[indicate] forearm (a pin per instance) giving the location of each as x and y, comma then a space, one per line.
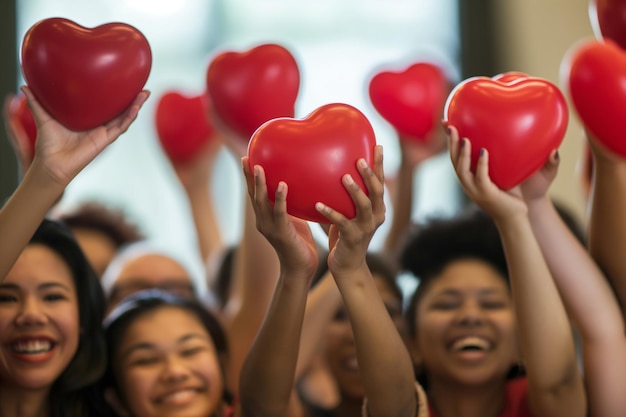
402, 208
385, 366
267, 375
586, 293
323, 302
205, 221
23, 212
546, 338
607, 229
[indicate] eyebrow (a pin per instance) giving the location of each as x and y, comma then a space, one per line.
44, 286
151, 346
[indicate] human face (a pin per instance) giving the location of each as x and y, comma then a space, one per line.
97, 247
340, 350
465, 325
39, 319
151, 271
167, 365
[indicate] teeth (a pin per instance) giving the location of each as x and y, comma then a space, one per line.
471, 342
32, 346
178, 396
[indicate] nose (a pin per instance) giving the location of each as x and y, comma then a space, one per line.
174, 371
31, 313
470, 314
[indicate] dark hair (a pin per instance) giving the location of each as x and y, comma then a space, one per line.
381, 266
88, 364
138, 304
111, 222
223, 277
470, 235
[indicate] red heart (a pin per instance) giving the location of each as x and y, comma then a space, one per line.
20, 112
510, 77
411, 100
519, 123
608, 20
183, 125
247, 89
312, 155
85, 77
595, 76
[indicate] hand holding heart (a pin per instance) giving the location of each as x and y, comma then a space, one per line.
183, 125
84, 77
519, 122
312, 156
594, 74
411, 100
249, 88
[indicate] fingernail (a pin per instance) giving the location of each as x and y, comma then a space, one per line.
462, 143
362, 163
556, 155
482, 151
348, 179
320, 207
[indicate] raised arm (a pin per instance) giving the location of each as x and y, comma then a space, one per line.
555, 384
60, 154
267, 375
587, 296
413, 153
385, 366
607, 229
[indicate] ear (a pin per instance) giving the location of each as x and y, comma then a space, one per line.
111, 397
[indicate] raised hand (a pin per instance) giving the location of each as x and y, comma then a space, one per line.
349, 239
291, 237
63, 153
478, 186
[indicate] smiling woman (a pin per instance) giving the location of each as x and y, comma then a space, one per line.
51, 307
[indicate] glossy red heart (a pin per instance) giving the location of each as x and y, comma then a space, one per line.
312, 155
20, 112
249, 88
594, 73
85, 77
518, 122
411, 100
608, 20
510, 77
183, 125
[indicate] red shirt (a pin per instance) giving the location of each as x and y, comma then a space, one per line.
516, 402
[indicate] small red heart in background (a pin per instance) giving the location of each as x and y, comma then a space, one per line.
608, 20
518, 122
594, 73
249, 88
20, 112
411, 100
85, 77
183, 125
312, 155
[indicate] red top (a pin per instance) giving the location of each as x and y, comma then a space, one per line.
516, 402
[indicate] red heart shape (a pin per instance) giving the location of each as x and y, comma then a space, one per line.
595, 76
20, 112
411, 100
183, 125
312, 155
608, 20
85, 77
247, 89
518, 122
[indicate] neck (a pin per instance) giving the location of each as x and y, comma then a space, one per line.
452, 400
19, 402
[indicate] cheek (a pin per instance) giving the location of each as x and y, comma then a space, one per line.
68, 321
135, 386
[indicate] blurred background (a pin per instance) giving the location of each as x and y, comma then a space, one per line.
338, 45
